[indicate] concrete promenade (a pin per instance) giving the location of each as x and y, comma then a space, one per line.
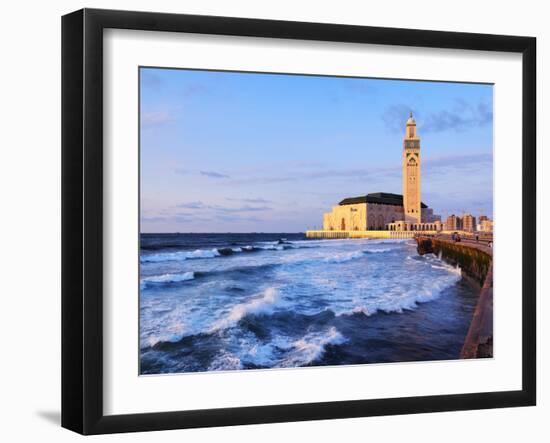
481, 245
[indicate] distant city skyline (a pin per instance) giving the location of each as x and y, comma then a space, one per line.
247, 152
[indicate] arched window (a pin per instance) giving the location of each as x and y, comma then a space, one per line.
343, 225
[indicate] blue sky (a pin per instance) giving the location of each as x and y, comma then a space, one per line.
245, 152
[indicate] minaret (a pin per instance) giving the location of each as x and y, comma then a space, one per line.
411, 173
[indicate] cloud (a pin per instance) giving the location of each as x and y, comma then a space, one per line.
192, 205
250, 200
206, 214
213, 174
154, 219
245, 208
222, 209
395, 117
434, 165
178, 218
352, 173
463, 162
210, 174
238, 218
460, 117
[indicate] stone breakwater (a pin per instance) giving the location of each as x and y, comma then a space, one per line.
476, 262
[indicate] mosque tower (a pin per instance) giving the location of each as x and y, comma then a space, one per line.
411, 173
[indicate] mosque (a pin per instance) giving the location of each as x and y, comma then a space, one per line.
386, 211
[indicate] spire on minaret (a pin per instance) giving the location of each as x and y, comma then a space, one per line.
411, 127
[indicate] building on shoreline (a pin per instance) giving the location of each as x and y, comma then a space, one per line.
486, 225
374, 212
387, 211
453, 223
468, 223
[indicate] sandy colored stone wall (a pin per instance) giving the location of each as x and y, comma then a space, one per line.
346, 218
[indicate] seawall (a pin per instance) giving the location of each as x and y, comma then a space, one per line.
364, 234
476, 262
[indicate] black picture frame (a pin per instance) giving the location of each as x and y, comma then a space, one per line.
82, 218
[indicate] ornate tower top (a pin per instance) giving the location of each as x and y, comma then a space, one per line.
410, 133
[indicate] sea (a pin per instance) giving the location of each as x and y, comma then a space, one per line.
224, 302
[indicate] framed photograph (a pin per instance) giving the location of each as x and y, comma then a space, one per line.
268, 221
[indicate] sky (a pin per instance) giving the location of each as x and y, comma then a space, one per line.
256, 152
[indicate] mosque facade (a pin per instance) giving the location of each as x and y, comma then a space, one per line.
388, 211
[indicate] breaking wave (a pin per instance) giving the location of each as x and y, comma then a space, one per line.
166, 278
342, 258
378, 250
399, 301
311, 347
217, 252
180, 255
260, 305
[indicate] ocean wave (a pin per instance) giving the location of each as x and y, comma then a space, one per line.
311, 347
393, 302
272, 247
388, 241
167, 278
171, 332
216, 252
436, 262
229, 251
342, 258
378, 250
180, 255
260, 305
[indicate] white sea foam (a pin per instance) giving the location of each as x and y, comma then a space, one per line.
342, 258
272, 247
447, 267
397, 300
263, 304
311, 347
361, 309
225, 361
171, 332
180, 255
378, 250
169, 278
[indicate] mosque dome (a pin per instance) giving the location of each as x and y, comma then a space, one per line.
411, 120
